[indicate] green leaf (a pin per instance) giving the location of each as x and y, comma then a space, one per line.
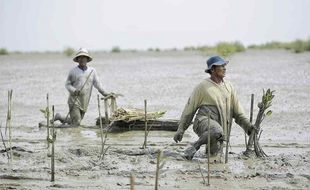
44, 111
269, 113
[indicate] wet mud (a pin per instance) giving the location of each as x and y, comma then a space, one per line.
166, 80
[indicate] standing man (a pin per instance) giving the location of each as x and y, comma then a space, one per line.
218, 96
80, 82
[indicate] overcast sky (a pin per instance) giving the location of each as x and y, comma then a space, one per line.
41, 25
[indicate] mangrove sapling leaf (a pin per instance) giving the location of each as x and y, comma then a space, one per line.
269, 113
162, 165
45, 112
51, 138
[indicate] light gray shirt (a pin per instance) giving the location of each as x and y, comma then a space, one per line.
83, 81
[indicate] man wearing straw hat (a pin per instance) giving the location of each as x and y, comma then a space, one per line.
218, 97
80, 82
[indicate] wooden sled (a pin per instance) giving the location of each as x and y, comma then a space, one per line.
122, 126
124, 119
139, 125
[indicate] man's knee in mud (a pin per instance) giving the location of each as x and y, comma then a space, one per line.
201, 126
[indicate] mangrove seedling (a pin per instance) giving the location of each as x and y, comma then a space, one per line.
264, 111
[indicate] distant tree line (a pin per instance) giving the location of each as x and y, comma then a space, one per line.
224, 49
3, 51
297, 46
69, 51
228, 48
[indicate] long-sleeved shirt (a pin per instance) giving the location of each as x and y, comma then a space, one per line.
222, 96
75, 81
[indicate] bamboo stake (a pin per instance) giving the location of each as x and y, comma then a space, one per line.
132, 182
107, 129
158, 167
100, 121
203, 178
113, 105
228, 130
4, 144
149, 128
226, 156
8, 123
251, 117
106, 113
47, 120
105, 140
252, 105
209, 145
226, 152
53, 152
145, 123
8, 114
251, 137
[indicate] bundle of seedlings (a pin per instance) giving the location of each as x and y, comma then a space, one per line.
128, 115
263, 106
135, 114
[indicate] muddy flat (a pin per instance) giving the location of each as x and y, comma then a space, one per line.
166, 80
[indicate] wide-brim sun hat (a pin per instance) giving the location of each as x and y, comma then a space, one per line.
215, 60
82, 52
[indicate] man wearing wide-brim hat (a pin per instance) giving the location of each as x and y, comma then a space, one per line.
218, 97
80, 82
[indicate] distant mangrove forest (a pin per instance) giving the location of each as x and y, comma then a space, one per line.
224, 49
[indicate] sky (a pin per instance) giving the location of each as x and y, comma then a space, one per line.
53, 25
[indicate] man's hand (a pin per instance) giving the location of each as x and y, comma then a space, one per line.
103, 93
76, 92
178, 136
252, 129
112, 94
108, 95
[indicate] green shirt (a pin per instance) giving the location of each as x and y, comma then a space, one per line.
223, 96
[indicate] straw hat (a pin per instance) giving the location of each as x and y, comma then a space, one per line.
82, 52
